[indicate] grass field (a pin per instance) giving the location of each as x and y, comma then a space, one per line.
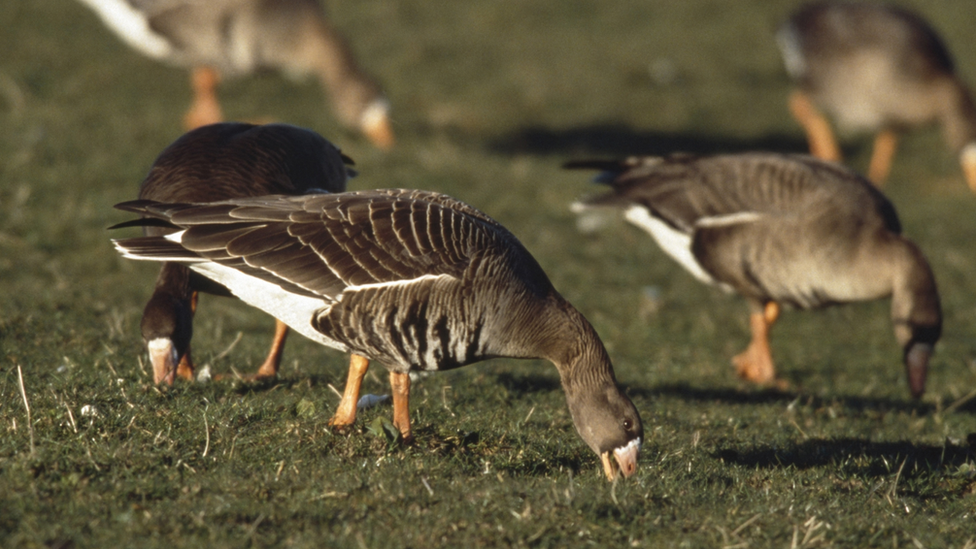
489, 99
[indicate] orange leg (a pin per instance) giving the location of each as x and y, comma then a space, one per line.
755, 364
885, 144
205, 109
185, 368
400, 384
967, 158
346, 412
821, 138
271, 364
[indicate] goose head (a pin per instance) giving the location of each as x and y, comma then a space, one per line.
167, 327
916, 313
609, 423
918, 342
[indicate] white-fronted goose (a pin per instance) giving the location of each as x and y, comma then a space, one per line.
878, 68
219, 162
781, 229
234, 37
414, 279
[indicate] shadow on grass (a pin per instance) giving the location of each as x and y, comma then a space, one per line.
528, 383
687, 392
869, 458
618, 139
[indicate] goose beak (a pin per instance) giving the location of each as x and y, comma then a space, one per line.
624, 459
163, 357
374, 122
916, 366
968, 161
380, 133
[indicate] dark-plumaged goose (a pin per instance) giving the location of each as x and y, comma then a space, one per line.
878, 68
235, 37
414, 279
219, 162
781, 229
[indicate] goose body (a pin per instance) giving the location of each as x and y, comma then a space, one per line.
782, 229
238, 37
413, 279
877, 68
220, 162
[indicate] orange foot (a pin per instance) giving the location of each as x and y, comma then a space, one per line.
755, 364
345, 414
205, 109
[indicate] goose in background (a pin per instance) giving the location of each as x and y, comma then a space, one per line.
237, 37
415, 280
877, 68
219, 162
780, 230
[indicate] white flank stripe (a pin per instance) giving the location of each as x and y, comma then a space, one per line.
730, 219
394, 283
132, 27
294, 310
674, 243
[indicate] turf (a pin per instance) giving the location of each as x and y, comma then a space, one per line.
490, 98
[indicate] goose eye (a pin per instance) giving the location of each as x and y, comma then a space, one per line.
627, 424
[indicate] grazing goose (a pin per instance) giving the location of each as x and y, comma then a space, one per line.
218, 162
878, 68
414, 279
781, 229
235, 37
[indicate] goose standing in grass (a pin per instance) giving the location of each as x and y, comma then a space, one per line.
878, 68
219, 162
416, 280
235, 37
781, 229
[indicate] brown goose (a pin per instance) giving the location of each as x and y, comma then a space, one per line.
234, 37
781, 229
218, 162
878, 68
414, 279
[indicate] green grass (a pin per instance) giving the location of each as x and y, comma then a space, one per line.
490, 98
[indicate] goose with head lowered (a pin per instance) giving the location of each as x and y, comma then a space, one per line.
413, 279
238, 37
219, 162
878, 68
781, 229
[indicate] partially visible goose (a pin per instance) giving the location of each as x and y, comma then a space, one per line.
219, 162
234, 37
414, 279
879, 68
781, 229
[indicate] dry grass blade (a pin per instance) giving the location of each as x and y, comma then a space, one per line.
955, 405
206, 430
30, 422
